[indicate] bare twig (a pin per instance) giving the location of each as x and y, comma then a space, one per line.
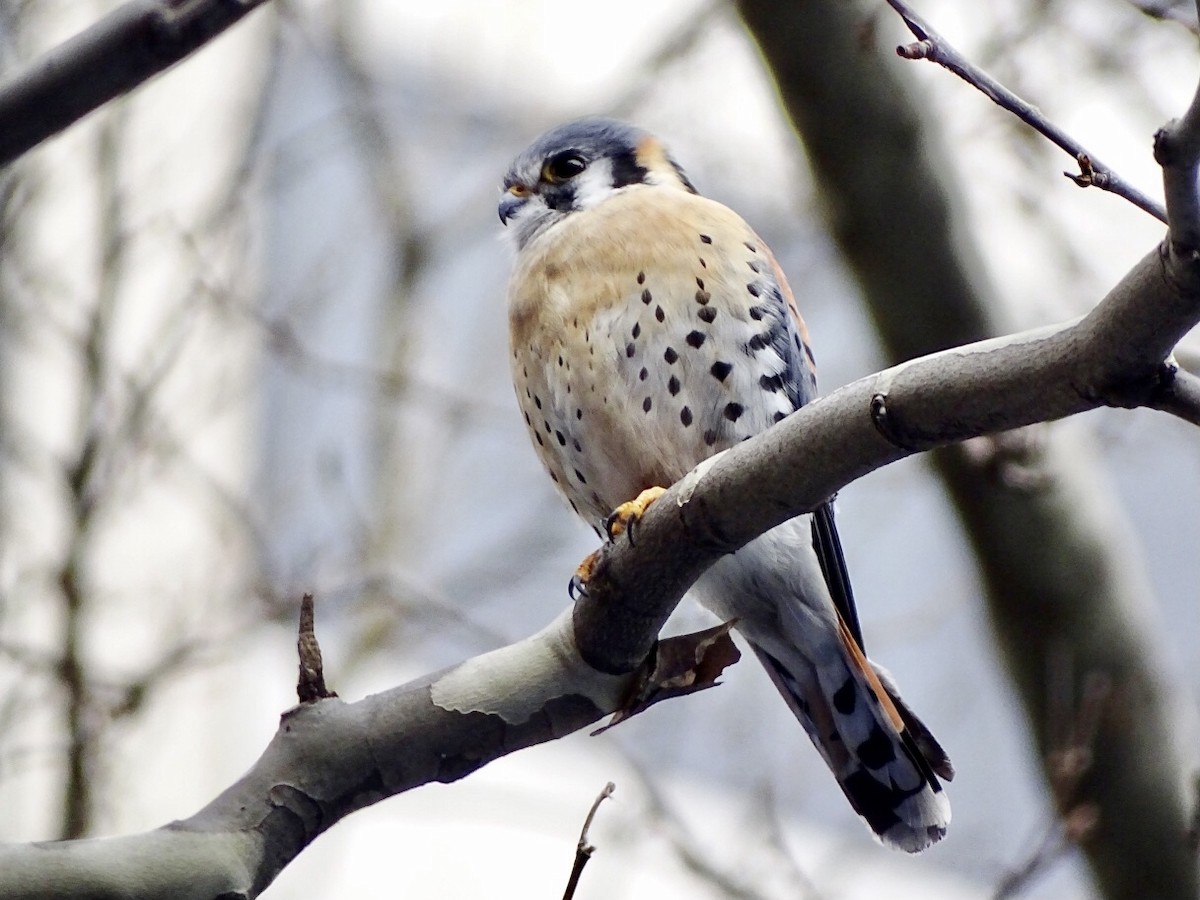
584, 849
1092, 173
127, 47
311, 686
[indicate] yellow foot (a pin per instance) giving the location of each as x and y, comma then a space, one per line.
577, 587
625, 517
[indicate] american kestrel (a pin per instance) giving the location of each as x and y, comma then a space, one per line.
650, 328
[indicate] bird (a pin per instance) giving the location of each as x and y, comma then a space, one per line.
650, 328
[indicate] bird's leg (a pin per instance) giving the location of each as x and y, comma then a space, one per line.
622, 520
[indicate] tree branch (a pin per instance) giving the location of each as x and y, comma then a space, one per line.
330, 757
125, 48
1092, 173
1109, 357
1177, 150
1060, 571
1179, 394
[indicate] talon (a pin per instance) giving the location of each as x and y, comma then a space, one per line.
625, 517
577, 586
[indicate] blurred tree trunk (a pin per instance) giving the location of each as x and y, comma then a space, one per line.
1066, 592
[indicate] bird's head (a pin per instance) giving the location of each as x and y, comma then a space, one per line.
577, 166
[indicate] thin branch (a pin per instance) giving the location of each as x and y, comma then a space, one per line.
584, 849
127, 47
311, 686
1179, 394
1092, 173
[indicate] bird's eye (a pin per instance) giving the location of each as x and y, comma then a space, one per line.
563, 166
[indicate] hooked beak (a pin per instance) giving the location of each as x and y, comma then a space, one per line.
512, 201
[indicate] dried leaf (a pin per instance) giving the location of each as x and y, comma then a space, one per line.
680, 665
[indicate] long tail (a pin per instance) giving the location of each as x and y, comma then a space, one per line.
886, 761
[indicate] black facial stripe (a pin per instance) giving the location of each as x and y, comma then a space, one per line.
625, 169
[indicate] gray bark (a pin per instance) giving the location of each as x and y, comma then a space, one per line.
1062, 582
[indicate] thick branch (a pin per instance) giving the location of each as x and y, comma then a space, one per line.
330, 758
1109, 357
1177, 150
130, 45
879, 162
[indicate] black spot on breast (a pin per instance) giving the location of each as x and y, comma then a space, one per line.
700, 282
756, 313
754, 289
659, 314
641, 278
779, 416
845, 698
758, 342
707, 314
537, 402
685, 416
704, 238
630, 349
749, 246
670, 356
755, 266
578, 446
733, 411
547, 424
541, 443
646, 296
673, 385
579, 475
562, 441
574, 507
554, 477
771, 382
579, 414
637, 330
643, 374
527, 422
695, 339
876, 751
646, 404
703, 264
710, 437
720, 370
702, 296
560, 362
